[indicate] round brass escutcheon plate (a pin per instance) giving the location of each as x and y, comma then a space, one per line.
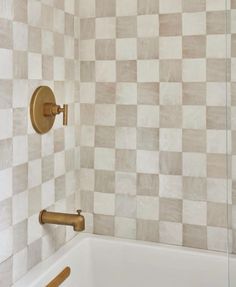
41, 123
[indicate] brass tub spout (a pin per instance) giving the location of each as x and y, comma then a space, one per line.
75, 220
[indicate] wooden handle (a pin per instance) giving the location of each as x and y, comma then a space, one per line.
60, 278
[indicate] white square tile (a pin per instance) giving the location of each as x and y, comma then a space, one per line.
19, 264
194, 212
126, 49
170, 186
170, 94
105, 71
59, 164
216, 141
126, 8
125, 138
147, 161
104, 159
6, 239
125, 227
104, 203
170, 233
216, 46
194, 70
194, 23
148, 26
194, 117
34, 229
105, 28
194, 164
6, 128
105, 115
87, 8
5, 183
148, 71
47, 194
148, 207
6, 67
166, 45
170, 6
35, 66
20, 150
20, 36
216, 94
126, 93
170, 139
59, 69
35, 173
19, 207
126, 183
148, 116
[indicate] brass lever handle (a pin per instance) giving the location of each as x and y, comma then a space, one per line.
53, 110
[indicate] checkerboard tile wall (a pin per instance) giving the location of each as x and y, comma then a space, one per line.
38, 46
153, 119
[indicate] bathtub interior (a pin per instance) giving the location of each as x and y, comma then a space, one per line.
104, 262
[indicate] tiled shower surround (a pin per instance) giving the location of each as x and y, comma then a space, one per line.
144, 152
38, 46
153, 162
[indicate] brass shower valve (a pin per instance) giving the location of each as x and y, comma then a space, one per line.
51, 110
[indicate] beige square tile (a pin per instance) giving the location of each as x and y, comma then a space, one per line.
105, 49
216, 165
215, 22
148, 6
104, 181
104, 136
148, 48
105, 8
147, 184
216, 70
216, 118
195, 236
104, 224
170, 163
194, 140
194, 6
125, 160
126, 27
105, 93
170, 117
87, 28
170, 24
147, 139
194, 188
148, 230
148, 93
126, 71
126, 115
87, 71
194, 93
170, 70
194, 47
6, 34
170, 210
217, 214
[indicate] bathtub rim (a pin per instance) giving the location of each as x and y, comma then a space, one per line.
36, 274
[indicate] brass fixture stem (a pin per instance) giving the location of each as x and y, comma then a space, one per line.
60, 278
75, 220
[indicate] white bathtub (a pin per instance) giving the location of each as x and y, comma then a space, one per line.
97, 261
